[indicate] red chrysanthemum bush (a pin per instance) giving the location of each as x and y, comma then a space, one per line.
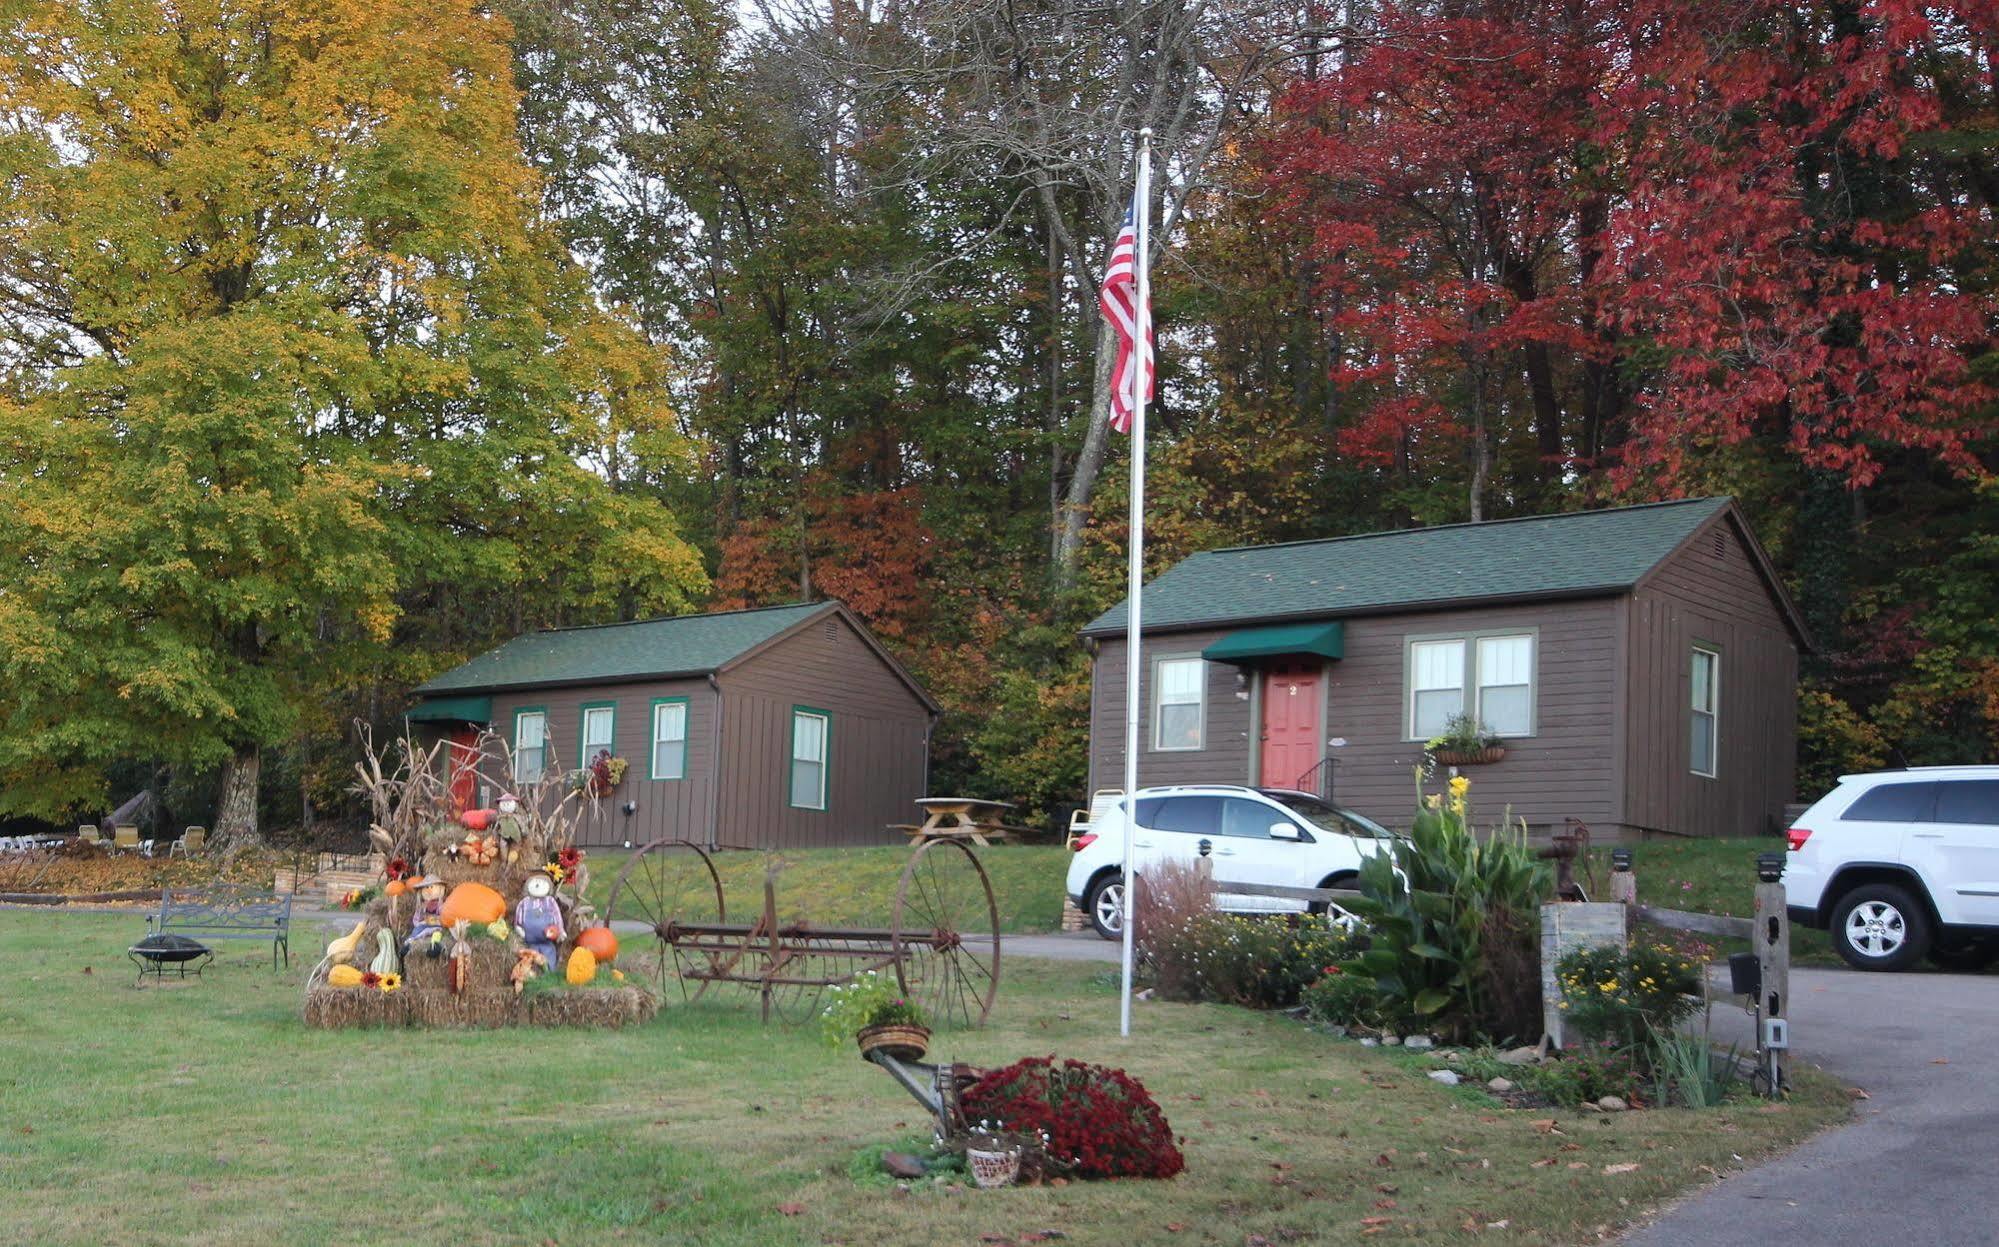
1099, 1120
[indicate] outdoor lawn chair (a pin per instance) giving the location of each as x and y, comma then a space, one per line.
191, 842
125, 838
87, 834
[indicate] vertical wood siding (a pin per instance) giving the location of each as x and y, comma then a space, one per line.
1710, 591
878, 748
667, 808
1567, 768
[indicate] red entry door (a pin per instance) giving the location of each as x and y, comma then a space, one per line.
464, 766
1290, 722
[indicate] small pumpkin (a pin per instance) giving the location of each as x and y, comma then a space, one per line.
600, 943
477, 820
395, 887
343, 976
473, 903
582, 967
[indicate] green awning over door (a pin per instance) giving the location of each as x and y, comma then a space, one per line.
451, 710
1326, 639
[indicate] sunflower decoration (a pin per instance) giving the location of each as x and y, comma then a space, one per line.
390, 982
569, 860
371, 979
555, 871
480, 850
397, 868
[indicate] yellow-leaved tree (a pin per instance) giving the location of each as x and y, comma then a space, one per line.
286, 349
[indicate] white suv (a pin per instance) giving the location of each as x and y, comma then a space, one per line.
1900, 865
1266, 835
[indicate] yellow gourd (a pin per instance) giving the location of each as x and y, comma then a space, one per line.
343, 948
582, 967
343, 976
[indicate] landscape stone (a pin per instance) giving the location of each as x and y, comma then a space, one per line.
1520, 1056
1370, 1042
1445, 1076
1419, 1042
1612, 1104
1500, 1084
902, 1165
1389, 1041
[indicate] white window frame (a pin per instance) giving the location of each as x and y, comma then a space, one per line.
824, 760
659, 704
1469, 685
1200, 702
522, 773
1712, 710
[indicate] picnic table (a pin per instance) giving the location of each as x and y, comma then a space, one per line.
958, 818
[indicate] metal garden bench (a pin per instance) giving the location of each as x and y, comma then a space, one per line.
227, 913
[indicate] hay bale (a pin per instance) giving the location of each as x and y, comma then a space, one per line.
491, 961
346, 1008
476, 1009
610, 1007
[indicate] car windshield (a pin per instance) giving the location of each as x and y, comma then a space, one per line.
1329, 816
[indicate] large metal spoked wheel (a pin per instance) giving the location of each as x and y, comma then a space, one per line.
945, 934
665, 884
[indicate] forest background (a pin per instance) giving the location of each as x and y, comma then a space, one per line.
346, 338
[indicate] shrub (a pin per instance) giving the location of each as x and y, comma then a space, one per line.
1590, 1074
1453, 922
870, 1000
1622, 997
1256, 961
1344, 994
1099, 1122
1686, 1070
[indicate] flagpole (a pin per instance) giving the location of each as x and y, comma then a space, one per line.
1135, 568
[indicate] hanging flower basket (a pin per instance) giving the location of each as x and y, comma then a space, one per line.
993, 1169
899, 1040
1469, 757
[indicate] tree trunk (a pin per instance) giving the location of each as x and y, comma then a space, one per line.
1083, 481
236, 811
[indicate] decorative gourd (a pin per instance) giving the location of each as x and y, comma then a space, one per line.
473, 903
600, 943
343, 976
343, 948
385, 956
582, 967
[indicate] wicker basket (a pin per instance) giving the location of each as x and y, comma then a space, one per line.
1473, 757
904, 1043
992, 1169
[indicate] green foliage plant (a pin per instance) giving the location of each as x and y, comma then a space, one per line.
1452, 920
1462, 734
1255, 961
1689, 1072
1343, 995
1622, 998
870, 1000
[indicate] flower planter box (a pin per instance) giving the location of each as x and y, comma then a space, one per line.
904, 1043
1474, 757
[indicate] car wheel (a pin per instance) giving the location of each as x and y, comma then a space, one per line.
1879, 926
1974, 952
1105, 905
1345, 881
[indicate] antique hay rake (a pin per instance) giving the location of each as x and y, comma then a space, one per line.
942, 942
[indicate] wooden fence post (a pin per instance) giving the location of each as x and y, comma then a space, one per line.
1773, 964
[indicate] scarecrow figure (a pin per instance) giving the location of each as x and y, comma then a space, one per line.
538, 917
429, 919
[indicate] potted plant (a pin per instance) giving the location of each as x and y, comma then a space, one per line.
875, 1013
994, 1155
1465, 742
605, 772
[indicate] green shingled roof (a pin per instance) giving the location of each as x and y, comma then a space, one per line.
648, 648
1418, 568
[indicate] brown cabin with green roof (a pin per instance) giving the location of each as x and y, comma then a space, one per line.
1639, 665
788, 726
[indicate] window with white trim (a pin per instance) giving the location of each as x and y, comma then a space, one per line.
1178, 702
1704, 721
599, 730
1505, 667
1436, 686
811, 732
530, 745
669, 739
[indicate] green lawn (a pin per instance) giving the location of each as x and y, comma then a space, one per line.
1711, 877
208, 1113
857, 886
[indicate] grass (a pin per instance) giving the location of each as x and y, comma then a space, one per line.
207, 1113
1709, 876
857, 886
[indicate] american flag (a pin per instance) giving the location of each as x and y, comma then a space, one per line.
1119, 299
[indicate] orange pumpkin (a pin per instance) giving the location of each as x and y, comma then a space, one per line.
477, 820
395, 887
602, 944
475, 903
